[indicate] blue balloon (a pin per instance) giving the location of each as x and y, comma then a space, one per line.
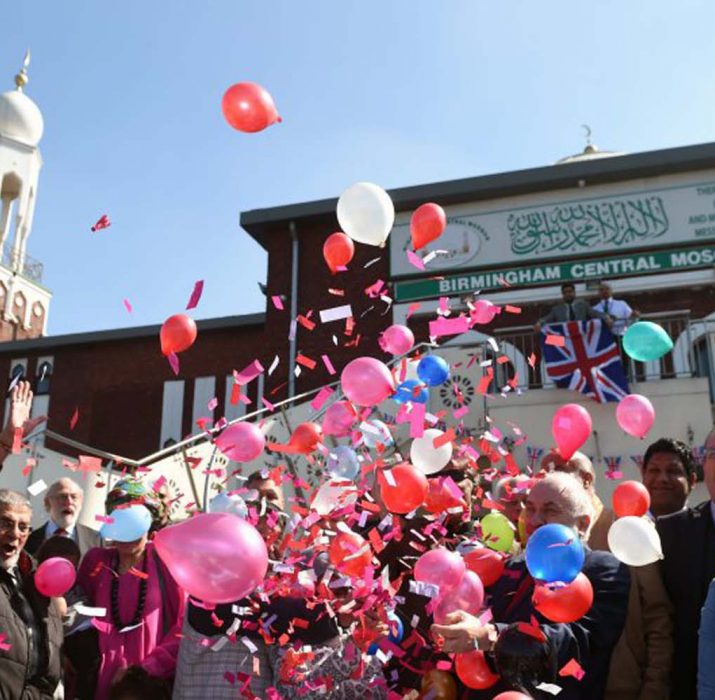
397, 632
406, 392
433, 370
128, 524
554, 553
343, 463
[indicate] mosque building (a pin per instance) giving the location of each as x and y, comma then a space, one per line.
645, 222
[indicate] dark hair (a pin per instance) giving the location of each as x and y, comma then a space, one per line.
137, 684
58, 546
523, 661
568, 285
674, 447
256, 477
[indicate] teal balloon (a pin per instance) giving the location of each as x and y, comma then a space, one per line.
646, 341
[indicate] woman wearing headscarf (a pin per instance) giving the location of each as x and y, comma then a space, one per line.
143, 604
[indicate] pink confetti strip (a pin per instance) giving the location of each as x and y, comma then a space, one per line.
448, 326
212, 404
127, 305
461, 412
277, 302
415, 260
323, 395
412, 308
248, 373
195, 295
174, 362
108, 519
328, 364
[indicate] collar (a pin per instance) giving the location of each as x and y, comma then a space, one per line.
52, 527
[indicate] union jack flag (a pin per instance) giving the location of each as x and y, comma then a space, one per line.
533, 454
588, 361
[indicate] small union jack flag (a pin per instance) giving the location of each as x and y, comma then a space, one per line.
588, 361
612, 470
638, 460
534, 455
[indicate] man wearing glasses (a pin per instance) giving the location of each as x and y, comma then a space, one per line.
688, 539
32, 627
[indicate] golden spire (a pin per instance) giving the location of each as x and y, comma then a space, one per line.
21, 78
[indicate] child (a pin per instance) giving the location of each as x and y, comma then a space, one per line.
81, 647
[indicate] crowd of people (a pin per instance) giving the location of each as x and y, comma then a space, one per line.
318, 628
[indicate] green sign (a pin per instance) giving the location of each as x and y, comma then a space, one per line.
531, 275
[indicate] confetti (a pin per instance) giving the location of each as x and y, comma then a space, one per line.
572, 668
557, 340
173, 360
248, 373
127, 305
102, 222
277, 302
195, 295
415, 260
328, 364
319, 401
448, 326
37, 488
337, 313
305, 361
74, 419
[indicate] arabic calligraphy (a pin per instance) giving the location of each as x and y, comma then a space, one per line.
569, 227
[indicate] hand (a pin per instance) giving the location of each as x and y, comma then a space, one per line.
462, 632
609, 321
20, 407
537, 327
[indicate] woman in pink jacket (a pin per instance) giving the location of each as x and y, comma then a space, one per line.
143, 605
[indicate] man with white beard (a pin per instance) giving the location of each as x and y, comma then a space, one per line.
63, 502
30, 664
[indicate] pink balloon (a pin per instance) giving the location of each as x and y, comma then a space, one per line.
440, 567
339, 419
367, 381
484, 311
55, 576
467, 595
397, 340
215, 557
241, 442
571, 427
635, 414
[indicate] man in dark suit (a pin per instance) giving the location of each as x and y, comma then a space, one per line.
63, 503
571, 309
688, 539
557, 498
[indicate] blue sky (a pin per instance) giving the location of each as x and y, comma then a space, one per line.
399, 92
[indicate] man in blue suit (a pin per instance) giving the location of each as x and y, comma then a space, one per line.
557, 498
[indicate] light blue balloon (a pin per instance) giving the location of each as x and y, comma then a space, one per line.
225, 503
554, 553
343, 463
406, 392
371, 439
128, 524
646, 341
433, 370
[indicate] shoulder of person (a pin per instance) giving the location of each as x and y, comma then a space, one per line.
599, 564
683, 517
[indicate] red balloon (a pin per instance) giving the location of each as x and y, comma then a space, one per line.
177, 334
408, 492
306, 438
630, 498
427, 224
350, 554
486, 563
338, 250
571, 427
474, 671
248, 107
439, 497
564, 603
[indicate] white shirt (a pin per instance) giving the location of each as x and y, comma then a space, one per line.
619, 309
52, 528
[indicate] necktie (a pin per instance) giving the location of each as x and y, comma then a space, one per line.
571, 313
61, 532
605, 307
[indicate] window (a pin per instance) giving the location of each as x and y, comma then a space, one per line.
44, 375
172, 412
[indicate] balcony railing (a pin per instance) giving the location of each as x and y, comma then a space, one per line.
692, 354
31, 269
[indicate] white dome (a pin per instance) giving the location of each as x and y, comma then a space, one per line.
20, 118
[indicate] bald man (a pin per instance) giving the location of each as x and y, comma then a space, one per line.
581, 467
63, 503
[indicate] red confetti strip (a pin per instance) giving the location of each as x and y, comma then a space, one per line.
74, 419
558, 340
127, 305
102, 222
572, 668
512, 309
305, 361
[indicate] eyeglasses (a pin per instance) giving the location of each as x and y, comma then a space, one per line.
7, 525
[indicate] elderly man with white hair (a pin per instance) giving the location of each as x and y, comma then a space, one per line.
30, 662
556, 498
63, 503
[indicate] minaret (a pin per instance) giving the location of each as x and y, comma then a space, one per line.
24, 302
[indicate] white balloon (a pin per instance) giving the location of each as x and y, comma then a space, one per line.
411, 370
634, 541
225, 503
425, 457
366, 213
